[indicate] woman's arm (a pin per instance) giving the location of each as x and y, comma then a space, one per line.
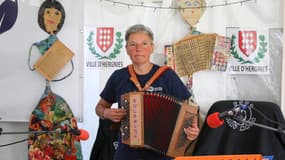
104, 111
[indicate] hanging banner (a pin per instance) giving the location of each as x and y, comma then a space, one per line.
8, 15
249, 51
103, 47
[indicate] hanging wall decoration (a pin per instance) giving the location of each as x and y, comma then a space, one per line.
51, 16
197, 51
52, 113
8, 15
56, 55
192, 11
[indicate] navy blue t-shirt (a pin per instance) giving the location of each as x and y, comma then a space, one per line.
119, 83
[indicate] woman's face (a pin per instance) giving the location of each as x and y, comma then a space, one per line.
52, 18
139, 47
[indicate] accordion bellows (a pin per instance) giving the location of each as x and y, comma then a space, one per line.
156, 121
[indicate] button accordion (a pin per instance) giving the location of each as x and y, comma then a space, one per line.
156, 121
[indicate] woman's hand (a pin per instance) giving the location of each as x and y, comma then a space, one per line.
114, 114
192, 131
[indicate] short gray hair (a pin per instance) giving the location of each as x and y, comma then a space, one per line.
138, 28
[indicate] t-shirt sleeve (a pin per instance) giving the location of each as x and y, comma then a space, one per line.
108, 92
177, 87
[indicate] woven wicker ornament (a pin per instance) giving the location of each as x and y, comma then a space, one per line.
53, 60
191, 10
194, 53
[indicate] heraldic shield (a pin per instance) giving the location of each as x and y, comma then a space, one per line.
247, 42
104, 39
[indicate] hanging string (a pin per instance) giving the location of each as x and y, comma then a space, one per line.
226, 3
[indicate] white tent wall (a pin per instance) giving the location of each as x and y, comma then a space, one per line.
168, 27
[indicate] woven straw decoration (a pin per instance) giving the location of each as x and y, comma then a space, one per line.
194, 53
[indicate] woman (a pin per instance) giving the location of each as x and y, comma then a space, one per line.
139, 47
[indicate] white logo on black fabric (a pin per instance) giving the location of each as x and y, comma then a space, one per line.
245, 115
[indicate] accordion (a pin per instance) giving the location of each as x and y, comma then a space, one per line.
156, 121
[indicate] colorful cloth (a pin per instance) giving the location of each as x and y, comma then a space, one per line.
53, 114
44, 45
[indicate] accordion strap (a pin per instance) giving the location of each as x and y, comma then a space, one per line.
135, 80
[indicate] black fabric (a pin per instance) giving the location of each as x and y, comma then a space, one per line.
234, 137
107, 134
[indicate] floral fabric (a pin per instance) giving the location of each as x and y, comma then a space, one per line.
53, 114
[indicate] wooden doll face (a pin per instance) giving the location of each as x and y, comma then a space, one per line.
193, 10
52, 18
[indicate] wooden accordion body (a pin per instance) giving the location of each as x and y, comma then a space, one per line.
156, 121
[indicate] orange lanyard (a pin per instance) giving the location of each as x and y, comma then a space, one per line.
135, 80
